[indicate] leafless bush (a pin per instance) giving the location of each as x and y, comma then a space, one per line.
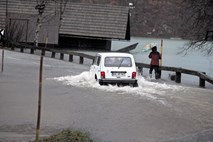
14, 31
197, 23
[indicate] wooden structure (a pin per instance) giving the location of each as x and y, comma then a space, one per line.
79, 26
98, 24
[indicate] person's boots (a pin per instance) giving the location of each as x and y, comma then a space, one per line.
150, 75
156, 76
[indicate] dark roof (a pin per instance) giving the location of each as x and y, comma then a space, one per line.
84, 20
2, 14
94, 20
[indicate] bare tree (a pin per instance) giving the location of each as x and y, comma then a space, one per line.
197, 18
14, 32
63, 4
41, 4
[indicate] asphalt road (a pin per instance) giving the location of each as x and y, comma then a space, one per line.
108, 116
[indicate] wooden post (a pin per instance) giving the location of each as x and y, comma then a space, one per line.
161, 52
40, 93
71, 58
62, 56
53, 54
178, 77
202, 82
2, 65
31, 51
81, 60
39, 98
22, 49
140, 70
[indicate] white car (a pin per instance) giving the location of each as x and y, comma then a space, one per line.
114, 68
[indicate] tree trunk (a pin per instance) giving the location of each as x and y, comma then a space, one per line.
38, 27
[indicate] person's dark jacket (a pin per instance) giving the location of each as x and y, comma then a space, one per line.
155, 56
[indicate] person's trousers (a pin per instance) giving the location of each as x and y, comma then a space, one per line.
156, 68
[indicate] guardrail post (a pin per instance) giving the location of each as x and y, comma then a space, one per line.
202, 82
62, 56
22, 49
53, 55
70, 58
31, 51
140, 70
159, 73
178, 77
2, 65
81, 60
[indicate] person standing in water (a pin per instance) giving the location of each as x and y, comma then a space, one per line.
155, 56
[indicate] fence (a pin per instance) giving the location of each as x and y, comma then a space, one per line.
178, 71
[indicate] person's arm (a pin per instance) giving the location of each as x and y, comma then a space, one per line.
150, 55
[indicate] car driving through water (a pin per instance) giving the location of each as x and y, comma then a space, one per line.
114, 68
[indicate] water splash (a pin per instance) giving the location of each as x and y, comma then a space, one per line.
146, 89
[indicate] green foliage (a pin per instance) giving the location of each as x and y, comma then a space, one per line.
68, 136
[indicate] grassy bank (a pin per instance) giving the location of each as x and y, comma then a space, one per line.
68, 136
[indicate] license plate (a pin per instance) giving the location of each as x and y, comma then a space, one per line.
118, 74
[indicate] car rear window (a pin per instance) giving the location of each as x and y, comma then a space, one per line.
118, 62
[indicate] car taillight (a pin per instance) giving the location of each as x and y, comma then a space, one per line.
102, 74
133, 75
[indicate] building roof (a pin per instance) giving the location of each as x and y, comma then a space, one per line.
79, 20
95, 20
2, 14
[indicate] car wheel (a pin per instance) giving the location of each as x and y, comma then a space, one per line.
101, 83
134, 85
96, 78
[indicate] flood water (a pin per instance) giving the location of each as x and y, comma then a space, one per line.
193, 60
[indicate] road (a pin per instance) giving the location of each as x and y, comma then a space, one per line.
156, 111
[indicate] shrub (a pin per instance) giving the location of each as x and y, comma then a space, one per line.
68, 136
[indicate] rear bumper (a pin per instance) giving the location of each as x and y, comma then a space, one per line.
124, 81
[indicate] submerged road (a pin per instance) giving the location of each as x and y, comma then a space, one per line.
154, 112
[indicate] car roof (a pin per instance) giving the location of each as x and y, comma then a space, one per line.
106, 54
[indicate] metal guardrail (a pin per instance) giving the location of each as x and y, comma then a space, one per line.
202, 76
22, 47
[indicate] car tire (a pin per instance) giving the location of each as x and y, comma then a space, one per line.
101, 83
134, 85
